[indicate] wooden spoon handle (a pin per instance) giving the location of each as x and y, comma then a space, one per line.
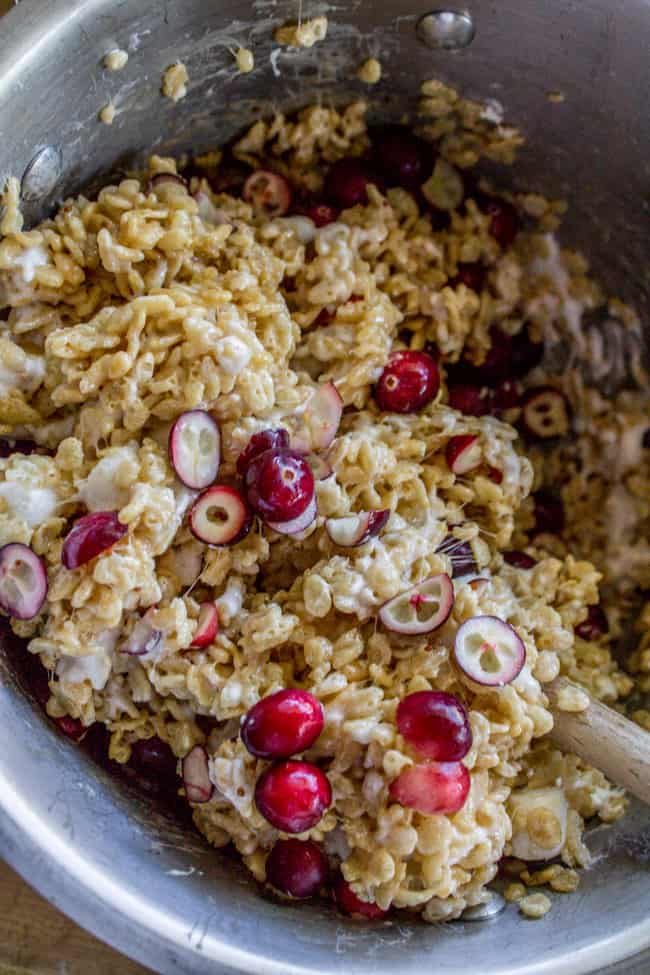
605, 739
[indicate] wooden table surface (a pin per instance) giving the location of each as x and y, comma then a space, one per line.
35, 938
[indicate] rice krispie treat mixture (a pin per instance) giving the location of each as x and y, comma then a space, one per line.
293, 505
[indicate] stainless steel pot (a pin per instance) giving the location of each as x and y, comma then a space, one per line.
119, 867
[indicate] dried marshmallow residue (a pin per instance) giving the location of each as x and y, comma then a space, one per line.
302, 35
115, 60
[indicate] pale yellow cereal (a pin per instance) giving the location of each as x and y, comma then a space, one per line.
244, 60
370, 71
174, 83
514, 892
572, 699
535, 906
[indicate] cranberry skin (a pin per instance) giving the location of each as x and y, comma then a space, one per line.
410, 380
153, 758
280, 484
504, 220
298, 868
471, 275
436, 787
320, 213
71, 727
461, 555
549, 513
258, 443
520, 560
468, 399
525, 354
594, 626
435, 724
346, 183
90, 536
348, 902
404, 160
293, 796
282, 724
505, 396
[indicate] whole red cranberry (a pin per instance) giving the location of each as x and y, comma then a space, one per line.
435, 724
282, 724
471, 275
403, 159
348, 902
298, 868
321, 213
293, 796
347, 180
264, 440
279, 484
410, 380
594, 626
469, 399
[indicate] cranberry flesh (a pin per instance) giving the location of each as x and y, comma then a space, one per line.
549, 513
471, 275
468, 399
293, 796
520, 560
297, 868
402, 158
346, 183
435, 724
348, 902
282, 724
437, 787
260, 442
90, 536
409, 381
280, 485
594, 626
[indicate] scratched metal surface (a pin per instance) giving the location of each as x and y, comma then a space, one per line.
119, 867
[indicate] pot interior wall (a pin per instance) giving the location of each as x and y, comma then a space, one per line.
129, 874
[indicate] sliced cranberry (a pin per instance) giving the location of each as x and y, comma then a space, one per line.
549, 513
293, 796
471, 275
348, 902
298, 868
505, 396
280, 485
321, 213
347, 180
435, 724
461, 555
520, 560
504, 219
153, 758
90, 536
468, 399
282, 724
409, 381
258, 443
268, 193
594, 626
437, 787
404, 160
72, 728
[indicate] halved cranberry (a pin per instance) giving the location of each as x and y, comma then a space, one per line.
268, 193
282, 724
549, 513
280, 485
435, 724
460, 554
348, 902
258, 443
293, 796
471, 275
90, 536
520, 560
468, 399
437, 787
321, 213
409, 381
403, 159
594, 626
298, 868
504, 219
346, 183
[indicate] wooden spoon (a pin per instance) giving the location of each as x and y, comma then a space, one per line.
604, 739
